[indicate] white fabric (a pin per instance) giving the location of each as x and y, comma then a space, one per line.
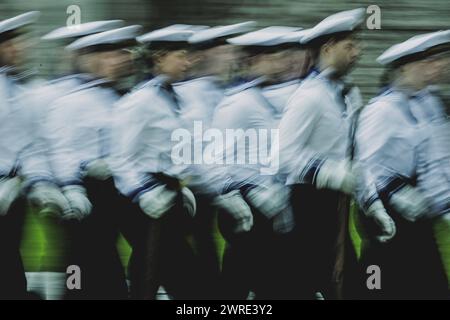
173, 33
336, 176
270, 36
220, 31
79, 203
278, 95
105, 37
414, 45
79, 129
338, 22
157, 201
233, 204
377, 212
19, 21
48, 198
271, 200
189, 202
9, 192
82, 29
315, 126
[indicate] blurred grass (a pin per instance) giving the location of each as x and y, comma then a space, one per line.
441, 231
43, 243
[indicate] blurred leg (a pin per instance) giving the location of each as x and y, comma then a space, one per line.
143, 234
206, 249
12, 275
94, 246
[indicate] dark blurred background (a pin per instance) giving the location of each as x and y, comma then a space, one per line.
399, 20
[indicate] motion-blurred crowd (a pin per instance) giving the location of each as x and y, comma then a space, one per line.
156, 163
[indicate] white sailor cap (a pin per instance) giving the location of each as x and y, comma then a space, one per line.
106, 38
83, 29
295, 36
19, 21
415, 48
173, 33
270, 36
190, 27
214, 33
339, 22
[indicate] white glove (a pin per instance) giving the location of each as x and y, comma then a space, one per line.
336, 176
79, 203
9, 191
284, 222
189, 202
158, 201
49, 199
98, 169
377, 212
269, 200
235, 205
409, 203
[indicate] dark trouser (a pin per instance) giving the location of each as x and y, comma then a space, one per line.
161, 254
92, 245
315, 245
410, 264
13, 284
251, 260
206, 248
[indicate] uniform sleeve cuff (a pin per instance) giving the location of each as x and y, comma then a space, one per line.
311, 170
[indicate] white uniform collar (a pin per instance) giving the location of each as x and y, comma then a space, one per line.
159, 80
407, 92
335, 84
6, 69
82, 76
90, 82
15, 74
208, 78
245, 86
282, 84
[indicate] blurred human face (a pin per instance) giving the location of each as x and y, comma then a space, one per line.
299, 63
111, 65
263, 64
437, 69
341, 55
196, 59
221, 60
12, 51
408, 75
115, 64
286, 65
173, 64
275, 67
278, 65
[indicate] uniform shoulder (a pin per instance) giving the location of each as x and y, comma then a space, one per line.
384, 104
72, 102
140, 94
287, 85
243, 100
308, 96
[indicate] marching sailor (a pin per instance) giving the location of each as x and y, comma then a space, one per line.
315, 157
290, 65
23, 166
148, 174
244, 108
209, 71
79, 125
403, 145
